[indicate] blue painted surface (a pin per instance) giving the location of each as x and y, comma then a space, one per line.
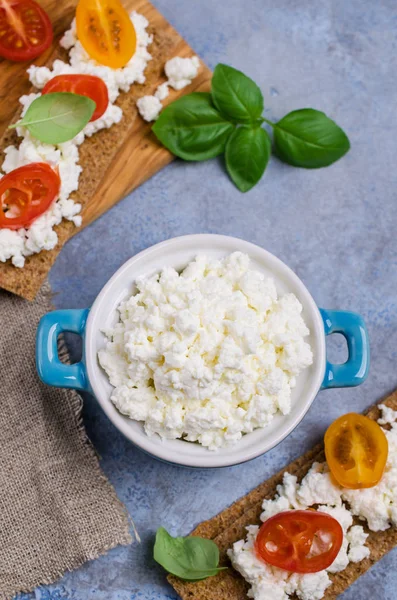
335, 227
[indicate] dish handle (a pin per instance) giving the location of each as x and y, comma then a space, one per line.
51, 369
355, 370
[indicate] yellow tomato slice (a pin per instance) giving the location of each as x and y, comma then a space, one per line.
105, 31
356, 450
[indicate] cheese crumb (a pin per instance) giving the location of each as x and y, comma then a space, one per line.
389, 416
181, 71
268, 582
162, 91
149, 107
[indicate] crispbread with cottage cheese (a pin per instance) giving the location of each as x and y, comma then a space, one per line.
114, 160
229, 527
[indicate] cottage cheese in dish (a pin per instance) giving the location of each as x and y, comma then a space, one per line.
206, 355
376, 506
18, 244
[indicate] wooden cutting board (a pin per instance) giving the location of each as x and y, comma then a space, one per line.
138, 155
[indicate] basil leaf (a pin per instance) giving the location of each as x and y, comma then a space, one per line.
308, 138
192, 128
58, 117
247, 153
191, 558
235, 95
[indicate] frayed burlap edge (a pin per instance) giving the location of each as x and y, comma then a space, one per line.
123, 537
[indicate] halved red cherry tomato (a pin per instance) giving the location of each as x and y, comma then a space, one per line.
300, 541
105, 31
356, 450
26, 193
85, 85
25, 30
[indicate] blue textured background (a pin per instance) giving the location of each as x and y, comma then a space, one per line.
335, 227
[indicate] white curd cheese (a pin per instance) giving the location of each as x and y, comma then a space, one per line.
200, 355
16, 245
389, 416
181, 71
80, 62
268, 582
376, 506
271, 583
12, 245
162, 91
149, 107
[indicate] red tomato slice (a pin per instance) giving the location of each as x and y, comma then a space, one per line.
85, 85
25, 30
300, 541
26, 193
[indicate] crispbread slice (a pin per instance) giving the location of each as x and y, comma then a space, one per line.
229, 527
114, 160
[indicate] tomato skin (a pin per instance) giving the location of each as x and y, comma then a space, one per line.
86, 85
106, 32
286, 541
28, 30
356, 450
26, 193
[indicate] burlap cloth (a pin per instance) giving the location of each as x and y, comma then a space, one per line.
57, 509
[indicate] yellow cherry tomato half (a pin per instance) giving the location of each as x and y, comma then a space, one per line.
356, 450
105, 31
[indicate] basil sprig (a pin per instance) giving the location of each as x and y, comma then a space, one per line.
192, 128
236, 96
192, 558
248, 150
58, 117
200, 126
308, 138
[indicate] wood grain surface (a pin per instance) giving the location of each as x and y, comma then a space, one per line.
114, 161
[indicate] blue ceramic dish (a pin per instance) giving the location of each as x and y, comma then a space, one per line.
88, 376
